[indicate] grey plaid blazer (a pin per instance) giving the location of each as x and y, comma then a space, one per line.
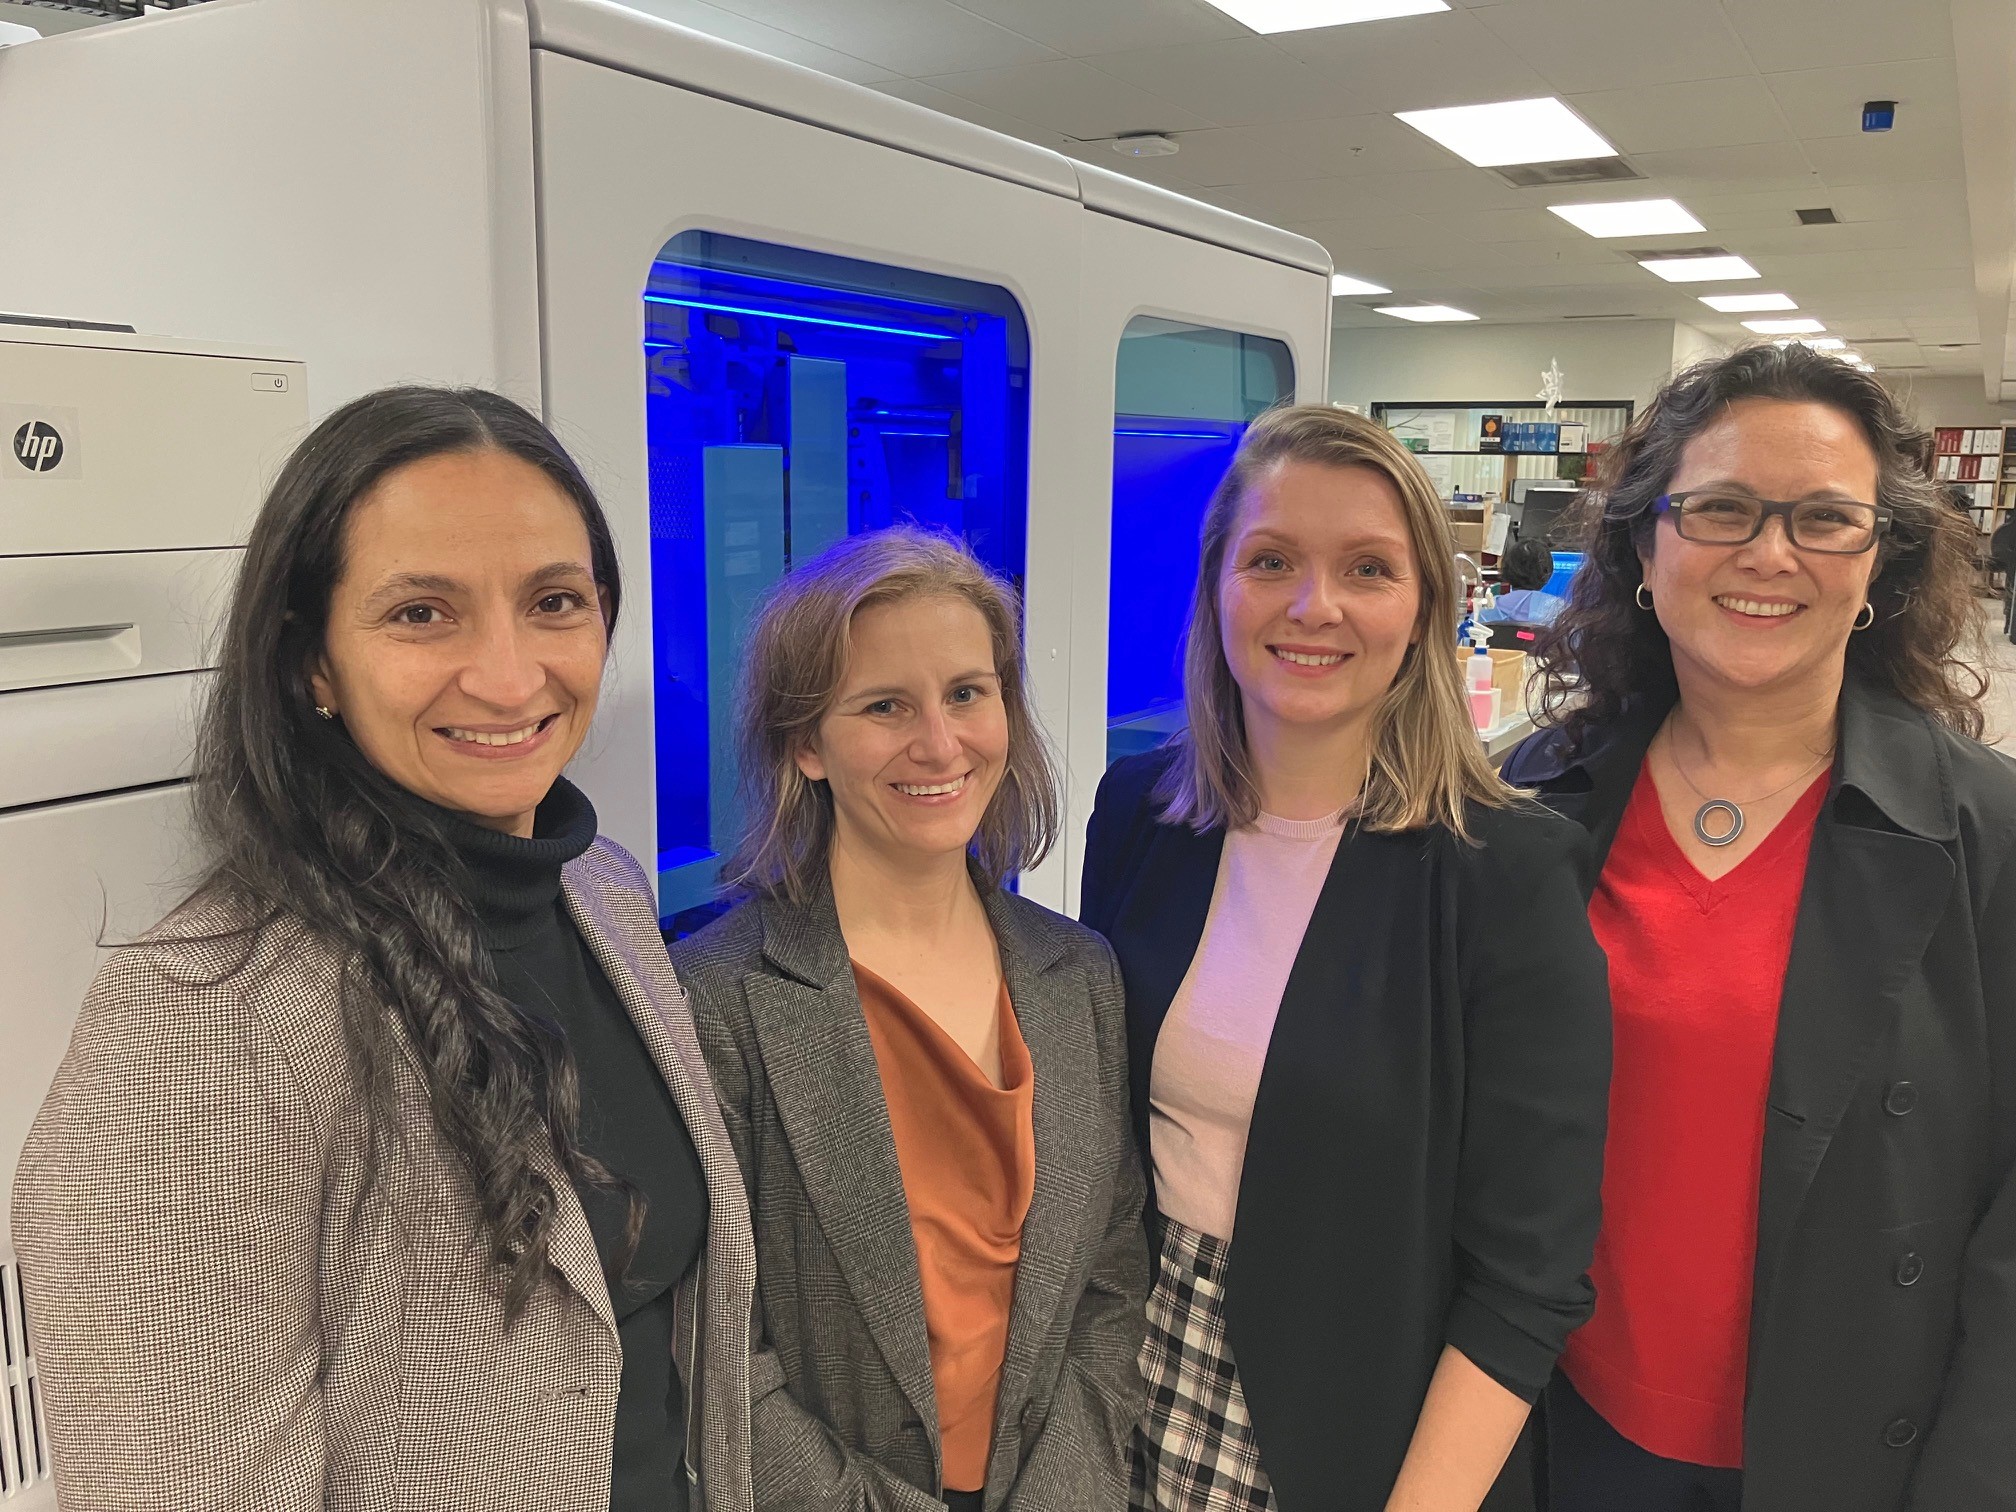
844, 1413
228, 1316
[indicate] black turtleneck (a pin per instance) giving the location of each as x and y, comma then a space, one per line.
628, 1122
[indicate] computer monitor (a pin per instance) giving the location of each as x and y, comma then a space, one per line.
1535, 516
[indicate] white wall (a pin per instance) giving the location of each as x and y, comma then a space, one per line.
1948, 401
1691, 344
1502, 364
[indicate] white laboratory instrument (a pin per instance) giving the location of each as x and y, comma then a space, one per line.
480, 191
129, 470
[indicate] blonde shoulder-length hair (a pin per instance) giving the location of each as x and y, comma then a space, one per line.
1427, 761
794, 667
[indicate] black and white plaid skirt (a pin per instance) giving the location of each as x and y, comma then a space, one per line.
1195, 1450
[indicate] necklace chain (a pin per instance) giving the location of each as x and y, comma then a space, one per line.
1736, 809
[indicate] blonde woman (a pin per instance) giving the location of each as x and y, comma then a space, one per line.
1368, 1023
924, 1075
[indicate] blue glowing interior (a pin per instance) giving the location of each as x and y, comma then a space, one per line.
1184, 395
793, 398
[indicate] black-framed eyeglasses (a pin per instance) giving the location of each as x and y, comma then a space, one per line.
1724, 517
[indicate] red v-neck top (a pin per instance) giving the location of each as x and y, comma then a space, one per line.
1697, 969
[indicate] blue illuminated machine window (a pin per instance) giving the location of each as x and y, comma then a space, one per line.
1184, 395
794, 398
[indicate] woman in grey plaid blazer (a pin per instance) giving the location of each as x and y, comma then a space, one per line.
386, 1173
945, 1320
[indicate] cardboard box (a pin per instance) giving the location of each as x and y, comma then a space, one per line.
1508, 675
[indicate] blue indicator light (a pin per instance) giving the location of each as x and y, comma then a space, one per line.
818, 320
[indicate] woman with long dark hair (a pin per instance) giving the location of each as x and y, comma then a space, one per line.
385, 1171
1806, 1278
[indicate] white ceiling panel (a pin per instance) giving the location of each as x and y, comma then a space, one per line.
1883, 158
1763, 166
1744, 110
1823, 102
1790, 34
1068, 96
1679, 117
1415, 63
917, 92
1583, 45
909, 37
1246, 82
1078, 28
730, 27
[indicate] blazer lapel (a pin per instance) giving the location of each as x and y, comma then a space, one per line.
1056, 1025
823, 1074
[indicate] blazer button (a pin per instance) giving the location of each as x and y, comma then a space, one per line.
1900, 1434
1909, 1269
1900, 1099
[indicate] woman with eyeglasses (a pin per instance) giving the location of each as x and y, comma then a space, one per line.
1806, 1276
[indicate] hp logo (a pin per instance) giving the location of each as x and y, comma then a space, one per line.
38, 446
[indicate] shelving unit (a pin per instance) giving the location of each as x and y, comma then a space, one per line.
1981, 459
1451, 428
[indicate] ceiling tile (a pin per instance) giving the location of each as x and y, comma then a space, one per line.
1790, 34
1078, 28
1318, 199
1823, 102
1584, 45
909, 37
1924, 201
1501, 229
730, 27
1886, 158
1763, 166
1446, 191
1679, 117
1068, 96
1350, 146
919, 93
1236, 83
1415, 63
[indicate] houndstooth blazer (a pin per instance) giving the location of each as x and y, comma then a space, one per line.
845, 1416
229, 1316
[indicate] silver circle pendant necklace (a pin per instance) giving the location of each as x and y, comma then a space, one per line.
1732, 812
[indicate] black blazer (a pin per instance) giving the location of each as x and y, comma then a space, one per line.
1425, 1159
1883, 1329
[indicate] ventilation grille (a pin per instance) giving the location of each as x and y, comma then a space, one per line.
1603, 170
1643, 254
1823, 216
24, 1439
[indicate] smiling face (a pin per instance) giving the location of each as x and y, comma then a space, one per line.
915, 744
464, 644
1318, 597
1764, 616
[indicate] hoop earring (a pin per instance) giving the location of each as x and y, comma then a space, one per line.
1864, 624
1643, 598
325, 713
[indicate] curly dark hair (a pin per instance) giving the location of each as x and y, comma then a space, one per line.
1604, 650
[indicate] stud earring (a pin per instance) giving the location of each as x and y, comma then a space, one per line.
325, 713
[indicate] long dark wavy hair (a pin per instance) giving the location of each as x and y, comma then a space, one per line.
299, 826
1603, 649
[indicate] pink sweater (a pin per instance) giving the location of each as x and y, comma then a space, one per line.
1214, 1042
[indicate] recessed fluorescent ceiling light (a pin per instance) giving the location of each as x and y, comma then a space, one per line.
1698, 269
1301, 15
1653, 217
1426, 312
1784, 327
1516, 131
1344, 283
1739, 304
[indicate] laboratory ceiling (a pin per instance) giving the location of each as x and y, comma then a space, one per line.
1746, 111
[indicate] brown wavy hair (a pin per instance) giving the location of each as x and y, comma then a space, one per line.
1604, 650
792, 671
1426, 759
